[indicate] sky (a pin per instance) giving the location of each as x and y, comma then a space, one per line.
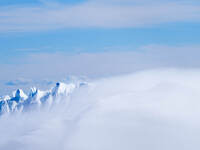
52, 39
140, 58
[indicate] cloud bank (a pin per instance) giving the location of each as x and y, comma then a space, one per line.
44, 68
152, 110
99, 64
96, 14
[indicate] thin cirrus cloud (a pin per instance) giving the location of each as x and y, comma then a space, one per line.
96, 14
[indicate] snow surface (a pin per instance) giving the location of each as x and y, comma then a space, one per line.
154, 110
36, 99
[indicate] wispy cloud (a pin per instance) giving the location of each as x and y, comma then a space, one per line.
96, 14
31, 50
61, 64
20, 81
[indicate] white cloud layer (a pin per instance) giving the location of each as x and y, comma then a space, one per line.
147, 110
97, 14
59, 65
99, 64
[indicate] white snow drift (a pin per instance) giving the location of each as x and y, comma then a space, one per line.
154, 110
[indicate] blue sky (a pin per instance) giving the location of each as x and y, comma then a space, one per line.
86, 38
34, 30
94, 40
36, 2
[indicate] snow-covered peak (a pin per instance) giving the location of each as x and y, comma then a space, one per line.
62, 88
7, 97
33, 91
19, 95
19, 101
